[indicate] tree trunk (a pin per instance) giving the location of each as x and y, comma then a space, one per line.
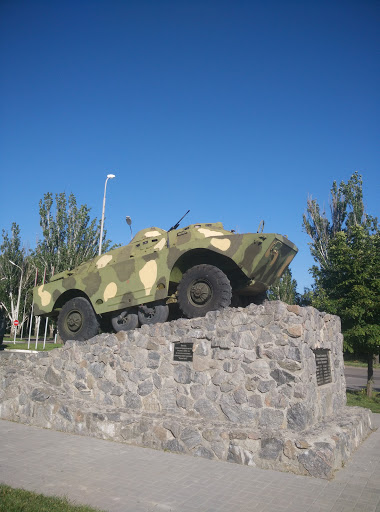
370, 375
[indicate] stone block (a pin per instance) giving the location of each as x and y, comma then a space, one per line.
201, 364
132, 401
201, 451
295, 331
271, 419
206, 409
97, 369
236, 413
39, 395
299, 416
145, 387
281, 376
290, 450
238, 455
319, 461
182, 373
230, 366
191, 438
173, 445
247, 340
271, 448
240, 396
297, 310
153, 359
52, 377
266, 385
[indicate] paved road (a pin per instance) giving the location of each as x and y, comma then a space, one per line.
120, 478
356, 378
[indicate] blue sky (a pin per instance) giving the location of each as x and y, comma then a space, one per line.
237, 110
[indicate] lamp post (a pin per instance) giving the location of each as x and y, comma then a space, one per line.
18, 297
109, 177
23, 316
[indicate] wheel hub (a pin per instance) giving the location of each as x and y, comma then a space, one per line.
74, 321
200, 293
122, 318
147, 311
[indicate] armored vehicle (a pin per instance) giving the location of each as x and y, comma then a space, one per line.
202, 268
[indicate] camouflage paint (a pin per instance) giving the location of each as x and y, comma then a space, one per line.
143, 270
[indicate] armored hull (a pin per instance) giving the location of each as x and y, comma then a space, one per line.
157, 268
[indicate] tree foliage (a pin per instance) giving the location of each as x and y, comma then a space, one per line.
284, 289
347, 272
351, 287
346, 209
69, 236
16, 274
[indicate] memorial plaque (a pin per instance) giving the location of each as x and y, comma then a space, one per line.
322, 360
183, 351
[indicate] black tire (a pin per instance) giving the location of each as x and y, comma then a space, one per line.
156, 313
125, 320
77, 320
203, 288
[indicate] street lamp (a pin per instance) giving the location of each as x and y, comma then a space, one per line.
18, 297
129, 222
109, 177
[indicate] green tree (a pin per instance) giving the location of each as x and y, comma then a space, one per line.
305, 298
69, 236
346, 211
346, 252
351, 289
284, 289
16, 276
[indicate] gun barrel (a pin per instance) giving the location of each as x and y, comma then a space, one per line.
177, 223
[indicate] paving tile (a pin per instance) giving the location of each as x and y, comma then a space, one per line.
126, 478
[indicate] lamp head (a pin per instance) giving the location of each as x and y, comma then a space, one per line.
110, 176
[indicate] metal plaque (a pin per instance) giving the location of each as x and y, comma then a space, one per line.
183, 351
322, 360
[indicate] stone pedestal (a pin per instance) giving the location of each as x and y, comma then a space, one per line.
259, 386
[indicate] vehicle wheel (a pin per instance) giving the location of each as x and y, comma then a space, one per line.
156, 313
125, 320
77, 320
203, 288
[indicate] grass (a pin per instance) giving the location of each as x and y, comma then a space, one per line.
361, 399
19, 500
32, 346
359, 364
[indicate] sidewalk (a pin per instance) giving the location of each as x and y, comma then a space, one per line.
120, 478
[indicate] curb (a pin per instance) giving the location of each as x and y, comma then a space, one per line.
21, 351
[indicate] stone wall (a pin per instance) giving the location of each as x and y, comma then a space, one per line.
249, 395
